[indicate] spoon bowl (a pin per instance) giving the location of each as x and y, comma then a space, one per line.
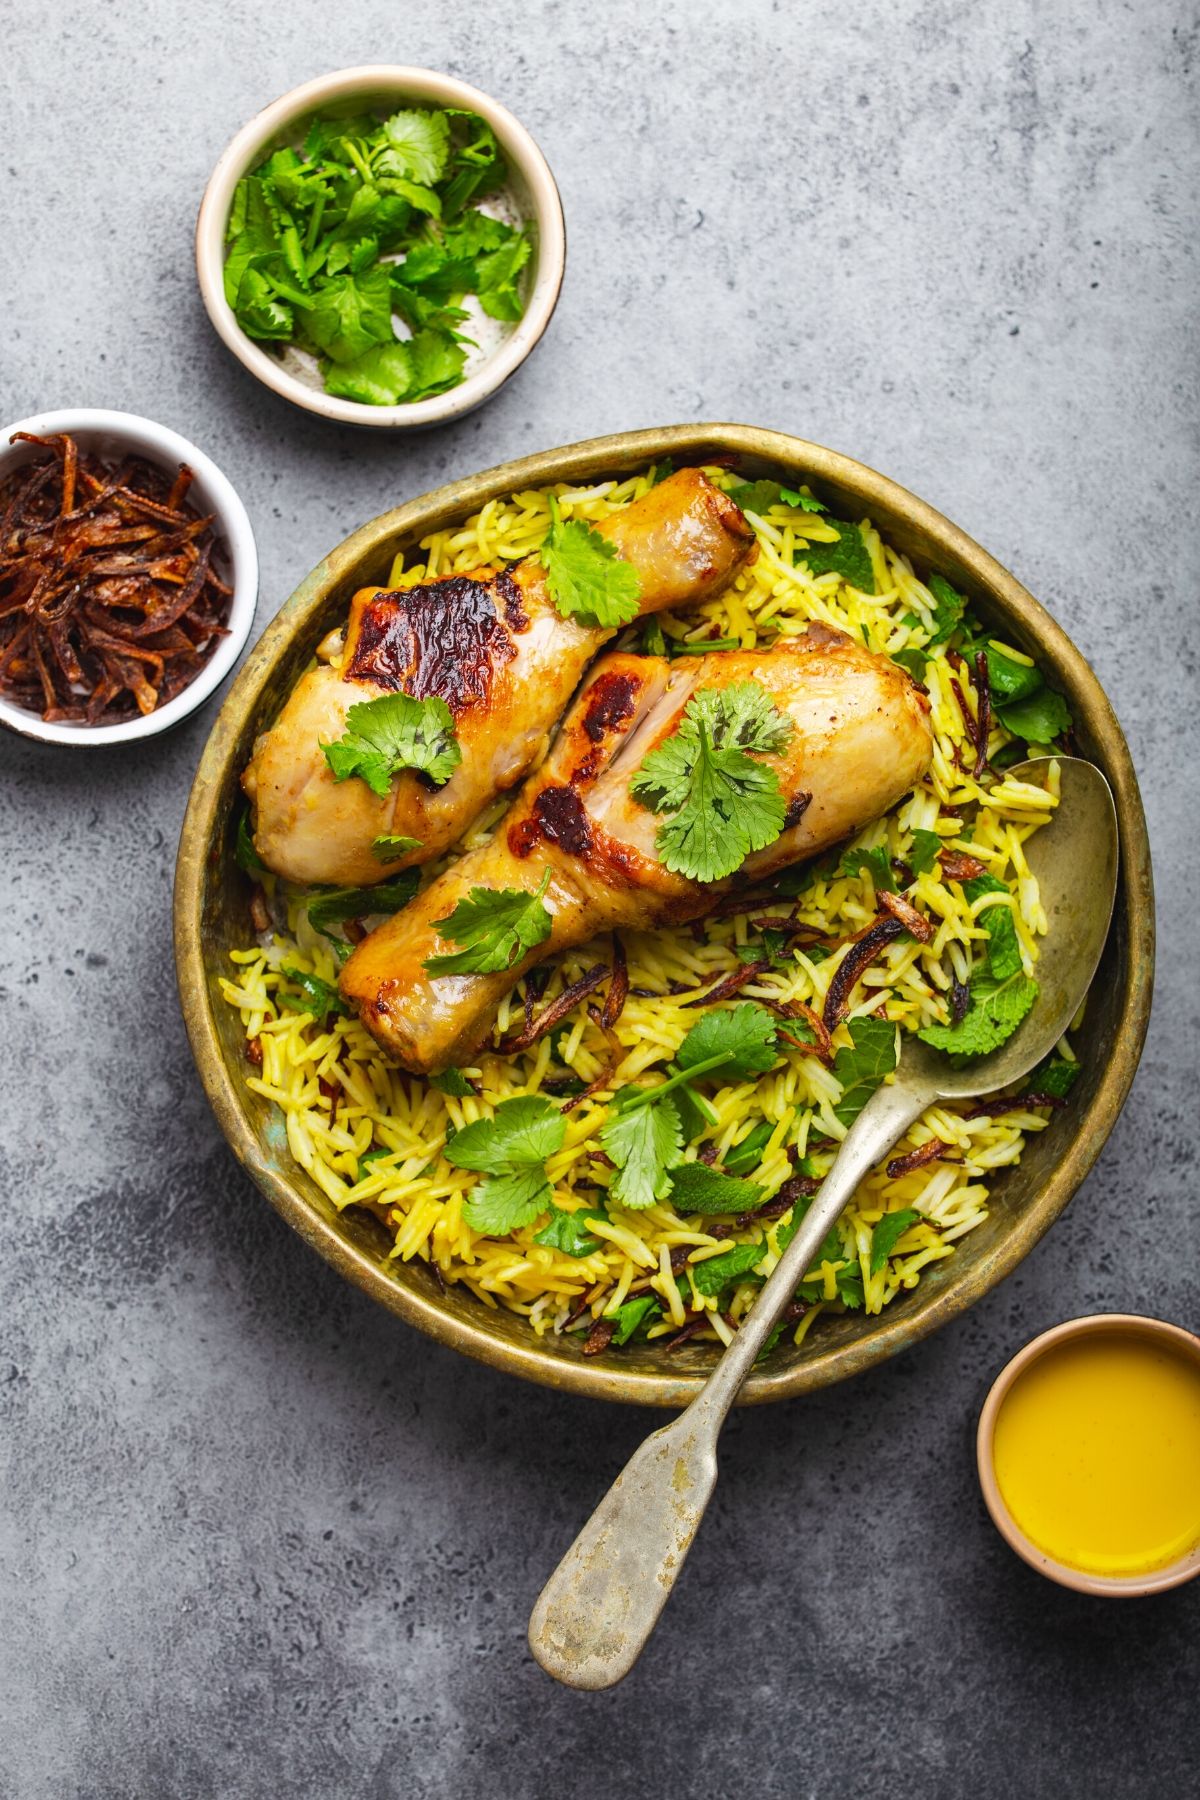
596, 1612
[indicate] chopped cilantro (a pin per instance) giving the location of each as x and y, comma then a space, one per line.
632, 1315
948, 609
495, 926
511, 1150
848, 557
568, 1232
390, 844
453, 1082
395, 732
887, 1234
876, 863
739, 1042
723, 804
695, 1188
586, 577
913, 661
316, 996
644, 1145
757, 496
1004, 950
924, 853
332, 906
995, 1011
862, 1065
418, 145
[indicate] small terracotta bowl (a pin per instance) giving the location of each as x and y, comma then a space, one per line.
386, 87
1113, 1587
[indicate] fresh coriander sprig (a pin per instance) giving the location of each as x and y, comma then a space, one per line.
588, 581
495, 927
395, 732
511, 1150
722, 804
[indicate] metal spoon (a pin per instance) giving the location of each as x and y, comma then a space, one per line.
596, 1612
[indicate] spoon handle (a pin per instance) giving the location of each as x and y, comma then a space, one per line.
595, 1614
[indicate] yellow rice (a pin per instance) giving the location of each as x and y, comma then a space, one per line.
340, 1098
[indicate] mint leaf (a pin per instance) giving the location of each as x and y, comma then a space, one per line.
316, 996
913, 661
568, 1232
716, 1273
495, 927
862, 1065
994, 1014
924, 853
644, 1144
334, 906
1009, 680
631, 1315
390, 844
887, 1234
1040, 719
1004, 950
847, 557
948, 609
724, 805
396, 732
876, 863
695, 1188
511, 1150
747, 1155
586, 578
757, 496
418, 145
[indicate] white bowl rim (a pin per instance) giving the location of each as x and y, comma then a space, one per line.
421, 85
232, 524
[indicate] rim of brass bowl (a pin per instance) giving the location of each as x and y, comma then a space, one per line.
210, 910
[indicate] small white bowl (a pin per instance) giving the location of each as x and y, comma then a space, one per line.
113, 435
387, 86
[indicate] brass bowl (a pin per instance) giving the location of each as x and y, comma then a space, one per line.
210, 919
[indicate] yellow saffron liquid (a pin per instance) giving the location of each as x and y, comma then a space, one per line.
1097, 1453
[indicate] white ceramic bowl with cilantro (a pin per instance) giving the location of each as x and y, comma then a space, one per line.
373, 349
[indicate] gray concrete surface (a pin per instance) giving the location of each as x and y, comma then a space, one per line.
260, 1540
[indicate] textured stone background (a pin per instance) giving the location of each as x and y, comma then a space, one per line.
259, 1538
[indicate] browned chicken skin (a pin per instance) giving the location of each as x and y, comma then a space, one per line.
861, 739
493, 646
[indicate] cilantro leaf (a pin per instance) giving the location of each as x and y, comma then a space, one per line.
913, 661
631, 1315
644, 1144
452, 1082
390, 844
948, 609
861, 1065
848, 557
747, 1155
887, 1234
350, 313
259, 313
496, 278
418, 145
381, 376
437, 361
1039, 719
924, 853
716, 1273
586, 577
244, 854
1009, 681
757, 496
510, 1149
876, 863
995, 1011
739, 1041
333, 906
495, 927
695, 1188
1004, 950
316, 996
568, 1232
722, 804
395, 732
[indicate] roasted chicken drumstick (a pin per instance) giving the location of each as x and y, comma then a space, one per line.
493, 646
860, 738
